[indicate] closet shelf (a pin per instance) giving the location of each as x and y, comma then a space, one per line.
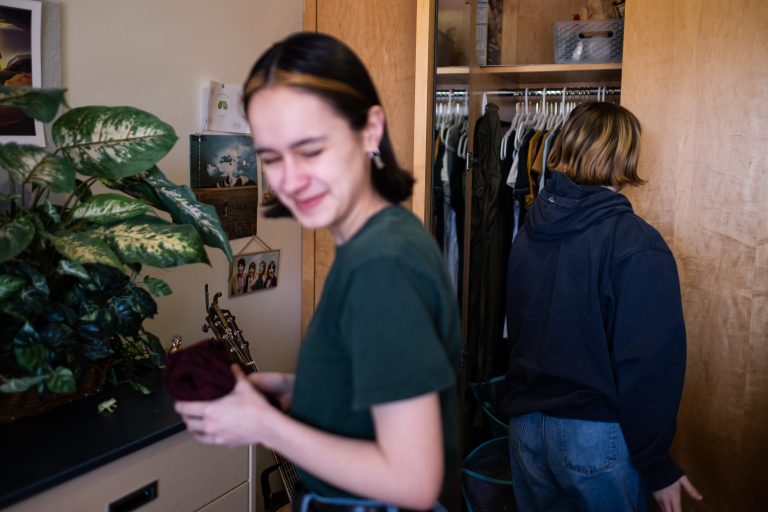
538, 73
557, 72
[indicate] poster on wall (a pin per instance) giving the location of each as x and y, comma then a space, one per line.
253, 272
20, 65
223, 173
223, 108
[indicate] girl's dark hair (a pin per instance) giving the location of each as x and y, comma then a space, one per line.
328, 68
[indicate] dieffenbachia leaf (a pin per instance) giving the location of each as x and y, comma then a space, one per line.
112, 142
157, 287
15, 236
61, 380
81, 248
40, 104
152, 241
51, 211
32, 164
10, 284
181, 203
21, 384
109, 208
30, 353
71, 268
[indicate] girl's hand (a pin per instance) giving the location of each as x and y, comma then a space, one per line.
237, 419
277, 386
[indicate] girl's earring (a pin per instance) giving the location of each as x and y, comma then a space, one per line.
375, 157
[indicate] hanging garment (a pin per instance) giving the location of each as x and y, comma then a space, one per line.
437, 223
456, 177
486, 287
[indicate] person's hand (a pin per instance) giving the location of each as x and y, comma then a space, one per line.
668, 498
239, 418
277, 386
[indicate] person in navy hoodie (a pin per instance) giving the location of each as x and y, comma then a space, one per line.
595, 321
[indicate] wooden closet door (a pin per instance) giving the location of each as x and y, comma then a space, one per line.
383, 34
695, 72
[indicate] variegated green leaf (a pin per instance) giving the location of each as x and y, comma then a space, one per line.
154, 242
81, 248
181, 203
61, 380
112, 142
135, 186
109, 208
15, 236
71, 268
40, 104
35, 277
51, 211
32, 164
21, 384
9, 285
157, 287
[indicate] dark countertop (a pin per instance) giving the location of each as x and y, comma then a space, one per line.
43, 451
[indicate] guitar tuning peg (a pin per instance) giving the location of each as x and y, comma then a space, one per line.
175, 344
205, 327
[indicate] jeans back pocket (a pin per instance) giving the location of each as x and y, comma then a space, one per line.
587, 447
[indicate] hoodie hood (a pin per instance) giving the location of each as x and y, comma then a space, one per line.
564, 207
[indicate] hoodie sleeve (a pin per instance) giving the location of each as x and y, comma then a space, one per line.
649, 351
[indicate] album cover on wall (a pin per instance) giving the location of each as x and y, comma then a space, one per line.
223, 172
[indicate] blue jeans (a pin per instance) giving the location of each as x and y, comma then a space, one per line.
306, 499
572, 465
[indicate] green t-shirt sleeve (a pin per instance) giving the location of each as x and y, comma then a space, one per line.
392, 327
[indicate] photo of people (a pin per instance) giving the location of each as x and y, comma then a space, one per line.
253, 272
221, 161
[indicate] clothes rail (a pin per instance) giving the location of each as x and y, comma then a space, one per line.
538, 91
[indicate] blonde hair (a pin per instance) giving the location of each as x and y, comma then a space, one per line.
598, 145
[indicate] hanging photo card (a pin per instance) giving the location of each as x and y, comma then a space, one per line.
253, 272
223, 173
223, 109
20, 65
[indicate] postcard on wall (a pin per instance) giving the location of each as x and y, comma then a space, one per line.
223, 173
20, 65
253, 272
223, 109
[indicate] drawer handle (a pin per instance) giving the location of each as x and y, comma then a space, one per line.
136, 499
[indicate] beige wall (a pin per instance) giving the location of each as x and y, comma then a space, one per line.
158, 55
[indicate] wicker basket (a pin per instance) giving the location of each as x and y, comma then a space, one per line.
14, 406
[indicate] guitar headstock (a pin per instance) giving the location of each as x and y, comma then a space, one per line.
221, 324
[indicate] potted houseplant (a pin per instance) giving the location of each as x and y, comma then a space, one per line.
72, 293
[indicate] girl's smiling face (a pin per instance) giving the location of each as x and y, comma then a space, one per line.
316, 163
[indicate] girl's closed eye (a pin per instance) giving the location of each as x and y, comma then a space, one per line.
312, 153
269, 160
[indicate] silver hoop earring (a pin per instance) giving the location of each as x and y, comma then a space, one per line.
375, 157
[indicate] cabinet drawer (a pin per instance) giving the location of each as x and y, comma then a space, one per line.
189, 476
235, 500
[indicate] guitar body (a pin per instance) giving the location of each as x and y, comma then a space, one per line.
221, 324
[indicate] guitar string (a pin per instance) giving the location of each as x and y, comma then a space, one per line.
285, 467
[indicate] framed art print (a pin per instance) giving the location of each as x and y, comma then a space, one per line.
254, 272
223, 174
20, 65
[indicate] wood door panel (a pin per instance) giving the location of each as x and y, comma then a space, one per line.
695, 74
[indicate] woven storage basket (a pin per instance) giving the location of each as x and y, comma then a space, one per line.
14, 406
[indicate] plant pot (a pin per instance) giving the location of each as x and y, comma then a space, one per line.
15, 406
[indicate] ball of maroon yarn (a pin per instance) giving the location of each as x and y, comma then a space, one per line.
199, 372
